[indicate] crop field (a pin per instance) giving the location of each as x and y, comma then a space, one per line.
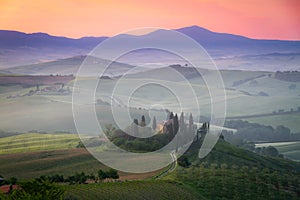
31, 155
31, 142
64, 162
131, 190
34, 164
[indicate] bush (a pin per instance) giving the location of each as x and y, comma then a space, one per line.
37, 190
183, 161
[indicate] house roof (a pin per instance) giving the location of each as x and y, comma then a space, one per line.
5, 188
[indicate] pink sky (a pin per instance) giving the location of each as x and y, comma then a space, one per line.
267, 19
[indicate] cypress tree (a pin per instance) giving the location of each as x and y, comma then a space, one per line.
175, 124
143, 121
154, 123
191, 123
171, 115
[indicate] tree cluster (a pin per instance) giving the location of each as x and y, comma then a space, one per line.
253, 132
291, 76
110, 174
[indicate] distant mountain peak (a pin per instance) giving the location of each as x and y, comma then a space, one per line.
194, 28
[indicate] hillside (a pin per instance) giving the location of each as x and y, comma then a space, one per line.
229, 172
225, 153
71, 65
132, 190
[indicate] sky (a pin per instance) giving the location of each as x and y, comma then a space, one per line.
261, 19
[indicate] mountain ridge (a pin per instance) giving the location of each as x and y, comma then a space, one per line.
18, 48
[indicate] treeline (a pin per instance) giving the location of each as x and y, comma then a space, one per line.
253, 132
7, 134
291, 76
45, 187
162, 136
77, 178
80, 178
135, 144
240, 82
35, 190
33, 80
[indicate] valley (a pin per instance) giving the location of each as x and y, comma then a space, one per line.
43, 151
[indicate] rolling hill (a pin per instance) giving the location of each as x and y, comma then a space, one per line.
71, 65
18, 48
229, 172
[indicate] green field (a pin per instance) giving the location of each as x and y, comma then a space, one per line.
34, 164
66, 162
31, 142
31, 155
132, 190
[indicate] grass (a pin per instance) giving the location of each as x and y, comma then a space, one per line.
31, 142
31, 155
132, 190
34, 164
66, 162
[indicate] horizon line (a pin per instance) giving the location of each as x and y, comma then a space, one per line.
154, 29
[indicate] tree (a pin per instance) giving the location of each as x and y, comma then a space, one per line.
92, 176
80, 177
175, 124
283, 133
102, 175
154, 123
183, 161
80, 145
181, 122
35, 190
112, 173
191, 123
171, 115
270, 151
143, 121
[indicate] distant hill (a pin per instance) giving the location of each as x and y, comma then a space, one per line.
229, 51
15, 39
69, 66
17, 48
211, 39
